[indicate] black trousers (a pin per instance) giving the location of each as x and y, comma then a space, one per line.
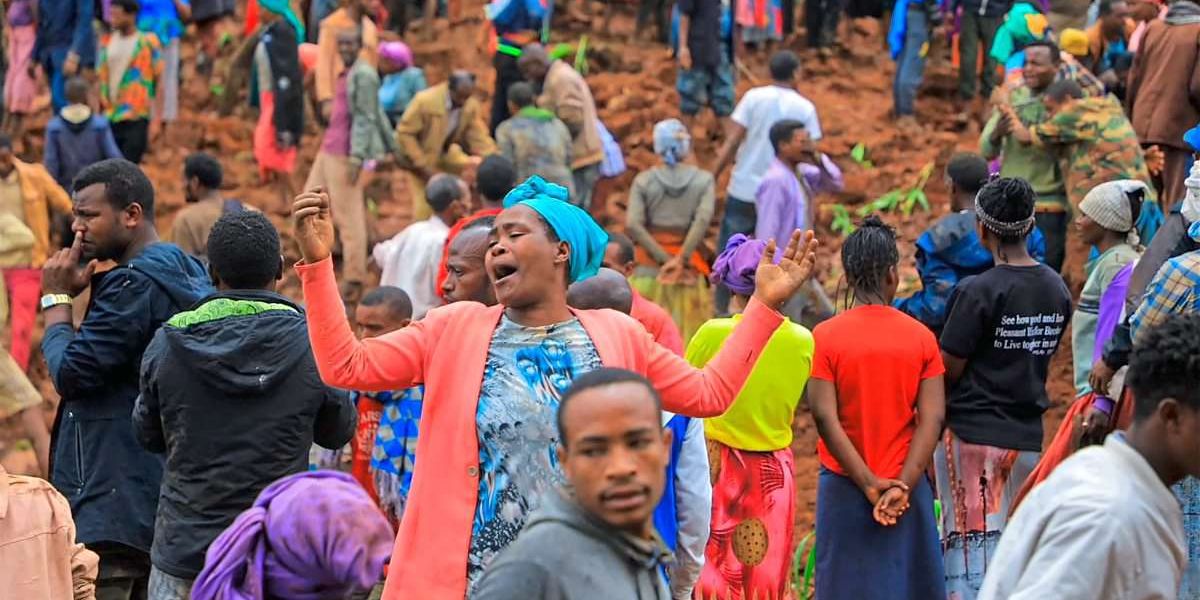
507, 74
821, 19
133, 138
1054, 229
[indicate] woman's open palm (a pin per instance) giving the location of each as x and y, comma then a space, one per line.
776, 283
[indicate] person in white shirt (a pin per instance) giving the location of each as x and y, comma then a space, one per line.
410, 260
1105, 523
749, 134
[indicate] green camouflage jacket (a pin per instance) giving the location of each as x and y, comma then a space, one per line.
1101, 145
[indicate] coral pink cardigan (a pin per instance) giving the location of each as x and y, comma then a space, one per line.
446, 351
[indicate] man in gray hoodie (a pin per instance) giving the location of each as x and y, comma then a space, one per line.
596, 541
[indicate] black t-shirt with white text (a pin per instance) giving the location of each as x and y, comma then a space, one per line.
704, 33
1007, 323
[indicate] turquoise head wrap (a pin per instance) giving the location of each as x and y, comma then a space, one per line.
283, 8
570, 223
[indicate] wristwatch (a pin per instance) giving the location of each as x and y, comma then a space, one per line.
52, 300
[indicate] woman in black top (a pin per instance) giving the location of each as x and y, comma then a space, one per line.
1002, 328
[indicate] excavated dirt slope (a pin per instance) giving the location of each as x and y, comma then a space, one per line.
633, 84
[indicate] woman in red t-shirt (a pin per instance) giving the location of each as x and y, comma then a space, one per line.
877, 396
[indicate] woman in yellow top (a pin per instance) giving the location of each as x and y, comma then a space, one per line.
749, 447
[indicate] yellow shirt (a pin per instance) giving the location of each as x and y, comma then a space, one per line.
760, 419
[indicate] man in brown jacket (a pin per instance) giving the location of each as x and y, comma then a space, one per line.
442, 130
29, 193
566, 94
1164, 92
37, 543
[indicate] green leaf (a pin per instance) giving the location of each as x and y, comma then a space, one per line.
858, 152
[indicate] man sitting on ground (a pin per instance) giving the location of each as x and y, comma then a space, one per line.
614, 454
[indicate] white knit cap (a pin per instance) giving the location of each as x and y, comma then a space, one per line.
1108, 205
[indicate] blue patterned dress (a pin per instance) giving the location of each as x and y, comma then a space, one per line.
527, 371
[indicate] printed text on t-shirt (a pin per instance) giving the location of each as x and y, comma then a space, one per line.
1037, 334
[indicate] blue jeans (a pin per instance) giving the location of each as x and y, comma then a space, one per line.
740, 217
910, 65
53, 65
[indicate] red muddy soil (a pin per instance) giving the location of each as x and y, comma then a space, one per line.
633, 84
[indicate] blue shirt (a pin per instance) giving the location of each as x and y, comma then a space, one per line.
527, 371
70, 29
160, 18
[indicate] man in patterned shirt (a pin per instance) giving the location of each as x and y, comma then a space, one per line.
1175, 290
130, 71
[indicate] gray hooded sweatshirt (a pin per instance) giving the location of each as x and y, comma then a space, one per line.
565, 554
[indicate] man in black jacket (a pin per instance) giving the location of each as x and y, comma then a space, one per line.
231, 394
111, 483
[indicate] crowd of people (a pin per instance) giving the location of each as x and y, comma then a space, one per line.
598, 413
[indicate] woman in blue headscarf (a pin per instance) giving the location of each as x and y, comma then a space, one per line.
670, 207
494, 374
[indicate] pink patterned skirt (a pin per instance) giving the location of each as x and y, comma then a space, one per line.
749, 551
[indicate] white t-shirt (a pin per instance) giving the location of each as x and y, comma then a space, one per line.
1102, 525
410, 262
757, 111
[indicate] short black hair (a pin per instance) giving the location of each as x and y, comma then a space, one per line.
1166, 364
204, 167
460, 77
130, 6
1055, 52
1106, 6
602, 377
495, 177
968, 171
442, 191
783, 65
398, 303
625, 249
782, 132
243, 250
1008, 200
5, 141
521, 94
76, 90
606, 289
124, 184
867, 255
1062, 89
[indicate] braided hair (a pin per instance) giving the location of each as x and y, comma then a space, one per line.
1005, 208
867, 256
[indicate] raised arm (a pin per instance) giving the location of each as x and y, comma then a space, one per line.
710, 391
395, 360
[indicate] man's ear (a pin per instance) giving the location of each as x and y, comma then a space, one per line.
279, 273
212, 276
132, 215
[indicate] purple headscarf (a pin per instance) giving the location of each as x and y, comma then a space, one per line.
397, 54
309, 536
735, 267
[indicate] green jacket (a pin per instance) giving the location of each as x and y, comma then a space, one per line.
371, 135
1039, 166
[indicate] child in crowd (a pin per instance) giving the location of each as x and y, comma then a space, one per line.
750, 445
385, 443
878, 401
950, 250
130, 70
76, 138
1003, 326
280, 100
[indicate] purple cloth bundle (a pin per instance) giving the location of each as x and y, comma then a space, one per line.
309, 536
737, 264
